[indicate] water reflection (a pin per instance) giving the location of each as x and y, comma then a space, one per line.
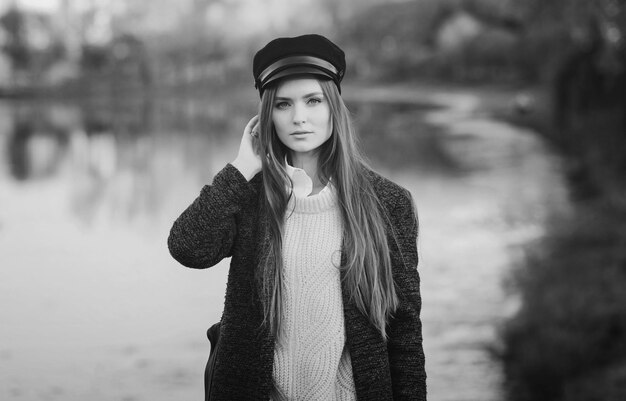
121, 157
36, 144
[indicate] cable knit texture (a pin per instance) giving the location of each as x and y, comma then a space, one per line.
227, 219
311, 361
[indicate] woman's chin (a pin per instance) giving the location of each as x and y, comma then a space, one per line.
302, 148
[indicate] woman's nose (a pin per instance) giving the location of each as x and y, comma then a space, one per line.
299, 115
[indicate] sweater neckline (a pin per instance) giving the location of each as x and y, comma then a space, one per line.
317, 203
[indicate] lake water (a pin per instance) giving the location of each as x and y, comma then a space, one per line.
93, 307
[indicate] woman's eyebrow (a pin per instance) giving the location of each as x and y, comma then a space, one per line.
304, 97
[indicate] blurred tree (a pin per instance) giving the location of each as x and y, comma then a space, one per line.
529, 40
32, 44
16, 45
94, 57
117, 68
589, 68
388, 41
440, 39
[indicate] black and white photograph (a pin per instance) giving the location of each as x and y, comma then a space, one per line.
313, 200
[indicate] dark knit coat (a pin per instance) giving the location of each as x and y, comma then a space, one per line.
227, 220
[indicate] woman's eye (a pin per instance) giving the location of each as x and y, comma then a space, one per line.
314, 100
281, 105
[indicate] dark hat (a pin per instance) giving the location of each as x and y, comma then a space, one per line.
306, 54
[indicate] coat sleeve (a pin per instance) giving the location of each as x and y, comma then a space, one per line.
406, 354
205, 232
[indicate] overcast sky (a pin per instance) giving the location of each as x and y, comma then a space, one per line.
41, 5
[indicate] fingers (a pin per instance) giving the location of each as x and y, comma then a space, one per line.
248, 161
252, 127
255, 130
249, 142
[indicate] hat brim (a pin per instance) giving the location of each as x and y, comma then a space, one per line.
296, 71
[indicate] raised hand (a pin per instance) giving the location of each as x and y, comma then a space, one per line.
248, 161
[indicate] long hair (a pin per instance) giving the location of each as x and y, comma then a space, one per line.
367, 274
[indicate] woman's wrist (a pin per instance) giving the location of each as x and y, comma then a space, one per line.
246, 168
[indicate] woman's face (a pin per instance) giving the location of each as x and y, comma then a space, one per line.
301, 115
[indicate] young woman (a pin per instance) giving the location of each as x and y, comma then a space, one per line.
322, 299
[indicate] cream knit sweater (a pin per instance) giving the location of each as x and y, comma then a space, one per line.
312, 362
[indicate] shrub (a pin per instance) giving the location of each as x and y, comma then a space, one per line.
568, 341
